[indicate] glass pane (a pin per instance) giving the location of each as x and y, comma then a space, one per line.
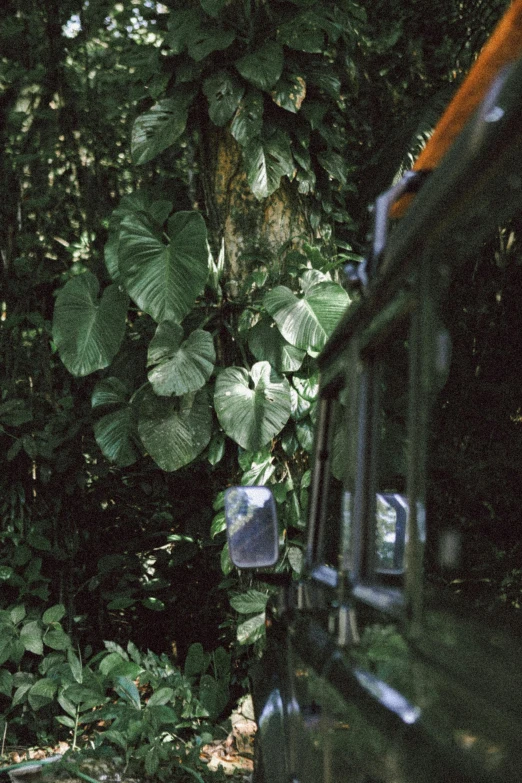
392, 440
333, 501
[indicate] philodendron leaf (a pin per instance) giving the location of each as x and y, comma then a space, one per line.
174, 430
263, 67
212, 7
116, 432
252, 407
267, 344
159, 127
290, 92
266, 160
248, 120
306, 322
164, 278
207, 40
182, 367
224, 92
88, 330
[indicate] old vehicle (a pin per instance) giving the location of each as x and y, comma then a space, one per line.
371, 673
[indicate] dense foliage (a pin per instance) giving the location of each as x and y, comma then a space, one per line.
180, 186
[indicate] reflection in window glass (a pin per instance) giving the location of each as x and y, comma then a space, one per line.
391, 464
334, 499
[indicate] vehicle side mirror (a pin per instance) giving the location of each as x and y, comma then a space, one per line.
252, 533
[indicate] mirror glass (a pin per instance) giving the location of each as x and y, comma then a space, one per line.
392, 518
251, 527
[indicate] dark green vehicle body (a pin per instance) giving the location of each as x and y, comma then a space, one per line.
371, 674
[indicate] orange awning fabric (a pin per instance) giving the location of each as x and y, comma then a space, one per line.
502, 48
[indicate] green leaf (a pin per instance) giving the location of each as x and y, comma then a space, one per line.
57, 639
196, 661
88, 331
262, 68
54, 614
335, 165
5, 573
260, 468
75, 666
213, 695
248, 120
152, 760
20, 694
164, 279
206, 40
253, 601
13, 413
158, 128
41, 693
110, 661
128, 692
175, 430
252, 407
31, 637
153, 603
267, 344
181, 367
266, 161
218, 524
216, 448
213, 7
6, 683
295, 558
303, 33
182, 27
115, 434
160, 697
224, 93
252, 629
66, 721
66, 704
226, 563
305, 434
17, 614
307, 322
290, 92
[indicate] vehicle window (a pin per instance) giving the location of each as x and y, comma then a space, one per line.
391, 441
336, 449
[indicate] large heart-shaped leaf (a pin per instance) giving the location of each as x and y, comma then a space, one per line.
248, 120
308, 321
303, 33
252, 407
135, 203
182, 367
159, 127
174, 430
88, 330
164, 279
224, 93
267, 344
207, 40
266, 161
263, 67
183, 24
116, 433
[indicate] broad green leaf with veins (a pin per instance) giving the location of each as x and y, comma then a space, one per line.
182, 367
267, 344
248, 120
308, 321
158, 128
88, 330
224, 93
164, 278
266, 161
174, 430
264, 67
116, 432
252, 407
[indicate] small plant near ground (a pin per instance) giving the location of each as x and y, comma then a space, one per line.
155, 714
